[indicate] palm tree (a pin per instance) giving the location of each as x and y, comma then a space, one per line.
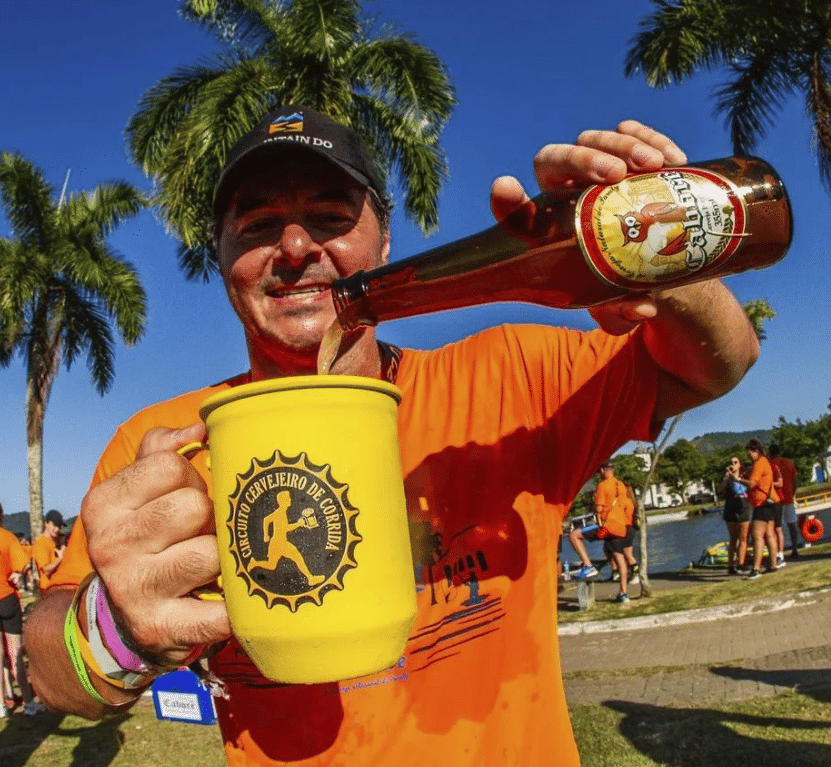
318, 53
772, 49
61, 288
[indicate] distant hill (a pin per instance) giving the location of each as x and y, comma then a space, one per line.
721, 440
19, 523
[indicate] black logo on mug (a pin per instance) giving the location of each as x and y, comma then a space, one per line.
293, 530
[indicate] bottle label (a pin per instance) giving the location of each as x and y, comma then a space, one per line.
660, 227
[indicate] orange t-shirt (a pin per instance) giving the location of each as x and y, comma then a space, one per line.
498, 433
789, 475
43, 552
762, 474
12, 560
628, 505
611, 499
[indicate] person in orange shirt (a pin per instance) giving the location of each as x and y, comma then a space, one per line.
27, 576
498, 433
787, 486
629, 508
609, 500
12, 563
762, 497
48, 550
615, 516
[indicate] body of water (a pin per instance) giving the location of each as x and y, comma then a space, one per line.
674, 543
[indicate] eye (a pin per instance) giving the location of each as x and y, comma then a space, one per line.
630, 221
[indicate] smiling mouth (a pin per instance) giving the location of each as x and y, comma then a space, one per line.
298, 291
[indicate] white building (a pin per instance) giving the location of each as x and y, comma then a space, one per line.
661, 496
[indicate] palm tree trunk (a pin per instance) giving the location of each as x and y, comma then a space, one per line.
646, 589
38, 389
34, 459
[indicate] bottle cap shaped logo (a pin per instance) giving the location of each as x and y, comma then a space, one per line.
293, 530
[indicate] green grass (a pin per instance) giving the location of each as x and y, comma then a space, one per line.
134, 739
789, 730
805, 577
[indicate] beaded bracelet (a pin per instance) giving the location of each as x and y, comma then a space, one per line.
71, 633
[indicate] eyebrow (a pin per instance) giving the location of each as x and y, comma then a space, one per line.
246, 204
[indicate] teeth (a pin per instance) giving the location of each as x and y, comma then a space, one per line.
312, 289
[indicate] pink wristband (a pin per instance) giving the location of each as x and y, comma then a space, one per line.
123, 655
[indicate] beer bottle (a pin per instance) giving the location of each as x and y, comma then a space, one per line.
578, 248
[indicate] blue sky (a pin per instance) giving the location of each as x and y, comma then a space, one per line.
72, 72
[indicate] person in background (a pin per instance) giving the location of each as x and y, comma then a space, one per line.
498, 433
786, 489
763, 497
613, 527
12, 563
48, 549
27, 576
736, 515
630, 509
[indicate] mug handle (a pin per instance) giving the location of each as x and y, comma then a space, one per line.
211, 592
191, 449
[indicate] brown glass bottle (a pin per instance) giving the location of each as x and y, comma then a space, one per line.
577, 248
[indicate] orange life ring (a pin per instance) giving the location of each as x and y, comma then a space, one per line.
812, 529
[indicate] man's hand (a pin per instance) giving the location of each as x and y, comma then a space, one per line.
697, 334
598, 157
151, 537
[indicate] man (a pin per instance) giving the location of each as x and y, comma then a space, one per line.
498, 433
788, 481
12, 564
48, 550
630, 508
613, 525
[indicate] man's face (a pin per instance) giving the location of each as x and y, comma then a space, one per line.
51, 529
291, 228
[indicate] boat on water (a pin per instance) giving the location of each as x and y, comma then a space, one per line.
716, 556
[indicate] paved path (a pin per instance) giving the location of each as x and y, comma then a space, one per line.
762, 647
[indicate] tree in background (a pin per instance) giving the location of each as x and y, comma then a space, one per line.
62, 288
630, 469
683, 465
317, 53
803, 442
758, 311
771, 49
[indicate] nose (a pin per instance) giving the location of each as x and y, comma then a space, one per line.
296, 244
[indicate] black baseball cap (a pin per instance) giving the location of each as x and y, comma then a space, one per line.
607, 464
297, 127
55, 517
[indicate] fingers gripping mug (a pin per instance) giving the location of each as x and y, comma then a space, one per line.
311, 524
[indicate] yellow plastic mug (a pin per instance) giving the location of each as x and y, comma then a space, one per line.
312, 524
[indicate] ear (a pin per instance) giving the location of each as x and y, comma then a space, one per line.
385, 247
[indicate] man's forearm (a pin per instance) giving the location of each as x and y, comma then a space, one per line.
702, 341
50, 668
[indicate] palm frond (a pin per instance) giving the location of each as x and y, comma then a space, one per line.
755, 92
406, 75
230, 106
413, 152
87, 330
27, 200
162, 109
818, 106
243, 25
322, 30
